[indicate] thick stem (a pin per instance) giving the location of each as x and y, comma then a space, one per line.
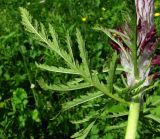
132, 120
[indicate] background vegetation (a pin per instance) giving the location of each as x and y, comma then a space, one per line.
27, 111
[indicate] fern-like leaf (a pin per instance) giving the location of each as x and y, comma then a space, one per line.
56, 69
83, 55
153, 117
69, 46
81, 100
86, 119
82, 134
118, 126
40, 35
54, 39
63, 87
102, 87
27, 20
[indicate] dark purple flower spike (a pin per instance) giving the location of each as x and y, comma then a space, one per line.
146, 44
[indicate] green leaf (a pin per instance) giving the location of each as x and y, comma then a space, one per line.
56, 69
105, 113
82, 134
19, 100
22, 120
2, 104
155, 111
102, 87
153, 117
81, 100
27, 20
40, 34
124, 37
76, 80
153, 100
35, 115
117, 126
131, 88
106, 69
87, 118
69, 46
55, 43
108, 136
108, 32
117, 108
116, 115
112, 72
83, 55
63, 87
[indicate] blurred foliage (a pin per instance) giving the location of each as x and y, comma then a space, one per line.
27, 111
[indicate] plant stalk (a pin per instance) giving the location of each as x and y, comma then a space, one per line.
132, 120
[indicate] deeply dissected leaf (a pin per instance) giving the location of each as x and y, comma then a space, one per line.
27, 22
81, 100
69, 46
87, 118
83, 55
54, 39
56, 69
153, 117
102, 87
82, 134
41, 36
63, 87
118, 126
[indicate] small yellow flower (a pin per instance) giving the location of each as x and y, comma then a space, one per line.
103, 9
157, 14
84, 19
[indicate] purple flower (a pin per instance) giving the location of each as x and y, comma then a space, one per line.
146, 48
156, 60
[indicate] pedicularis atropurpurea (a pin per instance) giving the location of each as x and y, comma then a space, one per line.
136, 47
137, 57
139, 63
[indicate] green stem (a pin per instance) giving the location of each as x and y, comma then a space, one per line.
132, 120
134, 57
105, 91
29, 77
